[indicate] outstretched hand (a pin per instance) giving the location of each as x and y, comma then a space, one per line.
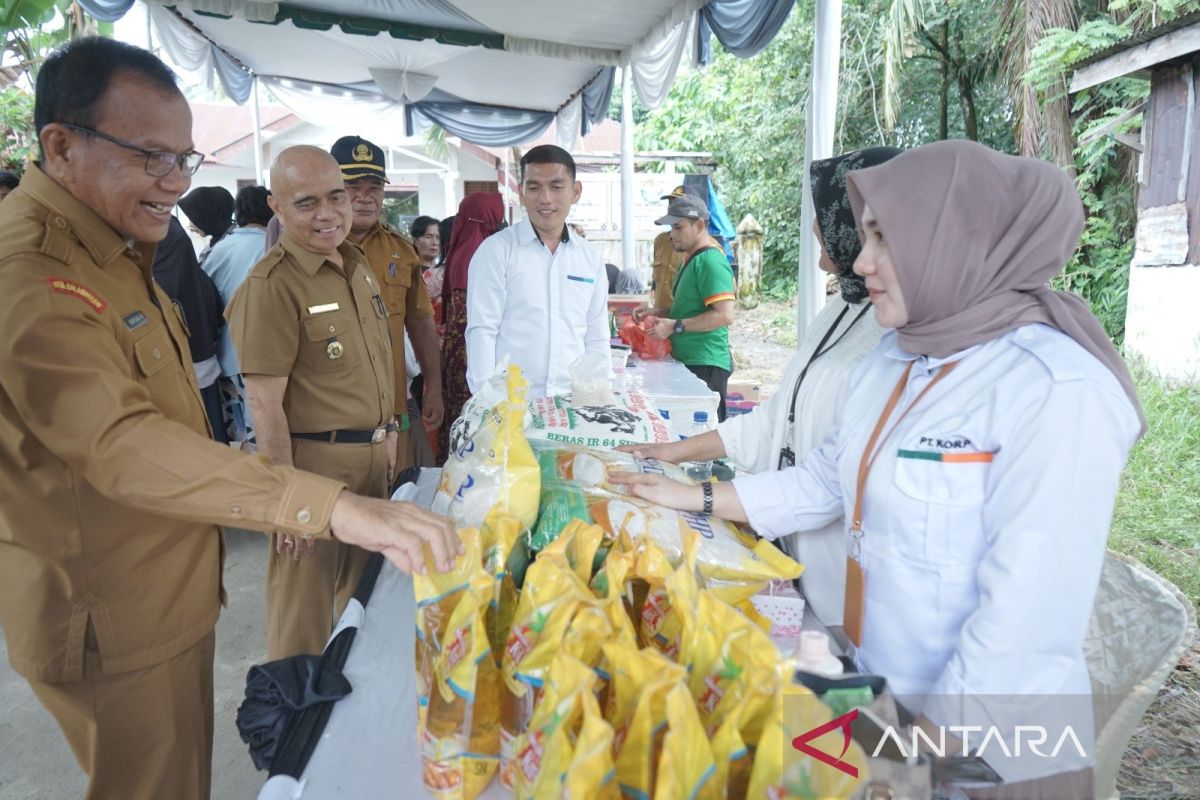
661, 490
398, 530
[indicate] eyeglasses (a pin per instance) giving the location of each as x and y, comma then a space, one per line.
158, 162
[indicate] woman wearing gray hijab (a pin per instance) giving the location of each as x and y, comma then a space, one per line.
977, 461
814, 387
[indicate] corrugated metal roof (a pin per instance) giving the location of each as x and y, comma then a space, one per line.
1149, 35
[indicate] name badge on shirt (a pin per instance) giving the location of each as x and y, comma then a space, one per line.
581, 279
323, 308
134, 321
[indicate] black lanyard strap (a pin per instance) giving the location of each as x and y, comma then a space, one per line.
821, 350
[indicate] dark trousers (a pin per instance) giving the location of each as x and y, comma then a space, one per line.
716, 379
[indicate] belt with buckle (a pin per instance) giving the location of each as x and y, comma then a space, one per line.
346, 437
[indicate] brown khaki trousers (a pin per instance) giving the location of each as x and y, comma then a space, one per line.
306, 597
140, 735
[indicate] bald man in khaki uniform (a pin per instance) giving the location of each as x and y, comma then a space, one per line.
394, 262
311, 333
110, 489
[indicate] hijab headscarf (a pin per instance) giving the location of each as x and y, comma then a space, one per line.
835, 218
480, 214
975, 236
210, 208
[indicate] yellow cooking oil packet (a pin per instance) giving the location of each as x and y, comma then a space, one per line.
669, 611
544, 751
578, 543
723, 645
544, 610
592, 773
736, 740
632, 671
498, 536
686, 768
641, 740
460, 738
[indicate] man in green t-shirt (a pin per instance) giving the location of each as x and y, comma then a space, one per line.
697, 323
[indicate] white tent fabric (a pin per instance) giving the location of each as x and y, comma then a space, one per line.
655, 65
329, 106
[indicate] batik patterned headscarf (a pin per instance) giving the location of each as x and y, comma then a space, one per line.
975, 237
835, 218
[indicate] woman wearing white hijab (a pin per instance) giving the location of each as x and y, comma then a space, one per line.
977, 461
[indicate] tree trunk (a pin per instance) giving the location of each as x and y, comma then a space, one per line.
966, 95
944, 110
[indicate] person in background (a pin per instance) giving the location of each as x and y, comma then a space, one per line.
538, 296
8, 182
697, 323
808, 404
426, 237
228, 263
480, 214
613, 273
315, 350
666, 261
978, 458
629, 282
209, 209
199, 304
394, 261
111, 492
445, 231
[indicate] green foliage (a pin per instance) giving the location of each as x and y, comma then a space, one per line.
16, 129
1157, 506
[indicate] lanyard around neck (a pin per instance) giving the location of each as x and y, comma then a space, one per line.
871, 452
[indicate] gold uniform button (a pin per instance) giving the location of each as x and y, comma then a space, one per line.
304, 516
235, 511
59, 222
333, 328
157, 353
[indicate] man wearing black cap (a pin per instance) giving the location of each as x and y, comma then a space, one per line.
396, 264
666, 261
697, 322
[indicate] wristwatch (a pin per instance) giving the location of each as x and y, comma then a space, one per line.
393, 426
678, 326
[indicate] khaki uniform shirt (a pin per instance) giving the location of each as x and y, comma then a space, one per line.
110, 490
665, 267
302, 317
395, 264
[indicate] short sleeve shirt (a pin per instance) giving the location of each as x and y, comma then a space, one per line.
703, 280
298, 315
395, 264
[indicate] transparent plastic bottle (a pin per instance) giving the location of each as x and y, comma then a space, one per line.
699, 470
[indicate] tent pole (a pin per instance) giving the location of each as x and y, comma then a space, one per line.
258, 153
627, 231
818, 143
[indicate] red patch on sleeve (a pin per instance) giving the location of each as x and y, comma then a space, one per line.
69, 287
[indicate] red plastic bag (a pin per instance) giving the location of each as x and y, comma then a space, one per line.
645, 345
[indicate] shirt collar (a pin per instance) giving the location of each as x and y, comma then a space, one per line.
527, 235
890, 343
310, 262
99, 238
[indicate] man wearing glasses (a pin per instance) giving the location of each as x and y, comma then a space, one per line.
396, 266
110, 490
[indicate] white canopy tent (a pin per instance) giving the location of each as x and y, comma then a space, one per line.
494, 73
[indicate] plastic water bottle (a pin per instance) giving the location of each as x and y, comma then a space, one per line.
699, 470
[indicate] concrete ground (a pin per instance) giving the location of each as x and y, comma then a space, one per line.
35, 762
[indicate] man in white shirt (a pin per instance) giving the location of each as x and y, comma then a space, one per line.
537, 294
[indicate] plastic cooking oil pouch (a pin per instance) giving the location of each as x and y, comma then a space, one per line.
591, 773
545, 609
669, 611
686, 767
544, 751
641, 739
724, 644
437, 594
578, 544
498, 537
733, 565
737, 738
460, 737
495, 469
